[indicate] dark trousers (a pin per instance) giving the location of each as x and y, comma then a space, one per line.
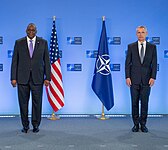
140, 92
36, 91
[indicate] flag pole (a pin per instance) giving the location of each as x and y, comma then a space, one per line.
53, 116
103, 117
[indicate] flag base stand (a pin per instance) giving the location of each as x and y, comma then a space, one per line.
103, 117
54, 117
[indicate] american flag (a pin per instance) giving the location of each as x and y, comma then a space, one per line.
55, 92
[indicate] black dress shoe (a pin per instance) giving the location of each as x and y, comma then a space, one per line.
35, 129
25, 129
144, 129
135, 128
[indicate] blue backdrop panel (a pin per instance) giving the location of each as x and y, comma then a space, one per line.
84, 19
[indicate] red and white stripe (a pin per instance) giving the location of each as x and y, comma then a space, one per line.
55, 90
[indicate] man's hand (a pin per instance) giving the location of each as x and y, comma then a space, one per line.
14, 82
128, 82
151, 82
46, 82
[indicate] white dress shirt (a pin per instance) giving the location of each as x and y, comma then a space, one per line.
140, 46
33, 41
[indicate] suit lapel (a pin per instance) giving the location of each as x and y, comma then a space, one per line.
137, 52
26, 47
146, 51
36, 46
36, 43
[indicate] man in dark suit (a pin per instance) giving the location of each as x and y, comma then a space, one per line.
140, 72
30, 69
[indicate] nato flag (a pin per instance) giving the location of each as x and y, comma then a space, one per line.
102, 81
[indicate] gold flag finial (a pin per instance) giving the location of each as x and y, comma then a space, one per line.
54, 17
103, 18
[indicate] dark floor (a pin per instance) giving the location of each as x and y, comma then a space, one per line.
84, 134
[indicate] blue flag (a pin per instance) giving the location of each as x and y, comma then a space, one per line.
102, 81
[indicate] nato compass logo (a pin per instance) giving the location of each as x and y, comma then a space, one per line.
1, 67
153, 40
114, 40
166, 54
103, 64
1, 40
91, 54
74, 67
74, 40
10, 53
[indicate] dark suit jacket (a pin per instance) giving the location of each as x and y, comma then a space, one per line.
141, 73
38, 65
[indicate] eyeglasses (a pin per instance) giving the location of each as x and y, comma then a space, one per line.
31, 30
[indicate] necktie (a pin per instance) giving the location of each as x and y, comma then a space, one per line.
31, 48
142, 53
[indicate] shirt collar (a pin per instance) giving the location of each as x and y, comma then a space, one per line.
34, 39
144, 43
